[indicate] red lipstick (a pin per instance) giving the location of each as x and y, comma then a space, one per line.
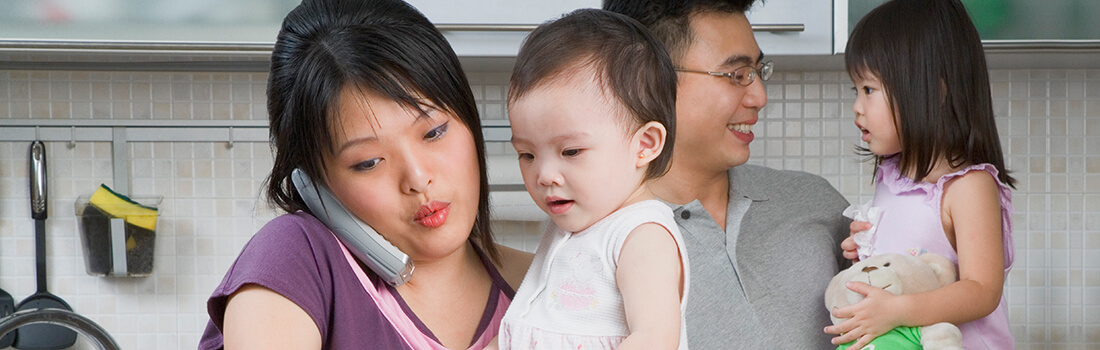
433, 214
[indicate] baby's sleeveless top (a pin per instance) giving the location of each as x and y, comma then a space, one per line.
911, 224
569, 298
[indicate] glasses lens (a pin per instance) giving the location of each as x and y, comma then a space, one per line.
744, 75
766, 71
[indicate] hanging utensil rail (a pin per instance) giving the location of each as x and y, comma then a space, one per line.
119, 132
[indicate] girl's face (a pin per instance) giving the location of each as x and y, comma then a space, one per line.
412, 177
875, 116
577, 161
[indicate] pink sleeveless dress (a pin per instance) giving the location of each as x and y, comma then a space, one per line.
910, 224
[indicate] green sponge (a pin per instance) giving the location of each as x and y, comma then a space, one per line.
121, 206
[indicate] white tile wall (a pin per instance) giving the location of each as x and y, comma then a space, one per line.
1049, 122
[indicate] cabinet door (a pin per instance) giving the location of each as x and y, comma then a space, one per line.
495, 12
493, 28
816, 17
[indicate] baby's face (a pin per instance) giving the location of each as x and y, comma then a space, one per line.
575, 151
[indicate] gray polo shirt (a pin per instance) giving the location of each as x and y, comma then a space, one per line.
759, 283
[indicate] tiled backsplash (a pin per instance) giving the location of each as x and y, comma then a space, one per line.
1049, 122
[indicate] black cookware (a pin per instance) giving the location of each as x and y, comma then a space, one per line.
7, 307
41, 336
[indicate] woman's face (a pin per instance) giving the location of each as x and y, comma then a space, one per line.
412, 177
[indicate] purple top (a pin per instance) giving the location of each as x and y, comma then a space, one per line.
911, 224
296, 256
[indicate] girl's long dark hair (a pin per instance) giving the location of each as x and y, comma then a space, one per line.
930, 60
385, 46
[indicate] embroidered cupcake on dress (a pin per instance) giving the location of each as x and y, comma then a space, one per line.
576, 293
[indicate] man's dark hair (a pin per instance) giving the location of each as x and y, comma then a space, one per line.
629, 62
670, 21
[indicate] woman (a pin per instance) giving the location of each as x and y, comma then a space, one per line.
368, 96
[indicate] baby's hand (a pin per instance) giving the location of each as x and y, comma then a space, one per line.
849, 244
875, 315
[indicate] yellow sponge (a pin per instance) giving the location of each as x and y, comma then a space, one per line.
120, 206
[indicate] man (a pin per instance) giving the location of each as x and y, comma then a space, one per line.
762, 243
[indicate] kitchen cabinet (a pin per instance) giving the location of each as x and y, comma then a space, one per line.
206, 21
498, 12
493, 28
1011, 24
793, 27
482, 28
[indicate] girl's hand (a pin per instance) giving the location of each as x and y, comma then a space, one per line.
849, 244
878, 313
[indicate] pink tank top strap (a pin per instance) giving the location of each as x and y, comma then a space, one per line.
406, 327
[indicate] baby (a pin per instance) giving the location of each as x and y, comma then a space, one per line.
592, 110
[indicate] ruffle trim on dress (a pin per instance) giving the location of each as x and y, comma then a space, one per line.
529, 337
900, 184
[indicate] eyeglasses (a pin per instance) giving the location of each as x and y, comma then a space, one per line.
743, 76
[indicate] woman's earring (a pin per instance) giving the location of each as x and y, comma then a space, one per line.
641, 155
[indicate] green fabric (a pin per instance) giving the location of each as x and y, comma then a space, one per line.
896, 339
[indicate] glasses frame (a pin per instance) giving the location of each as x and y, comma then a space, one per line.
765, 73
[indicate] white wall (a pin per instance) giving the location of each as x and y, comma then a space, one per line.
1049, 122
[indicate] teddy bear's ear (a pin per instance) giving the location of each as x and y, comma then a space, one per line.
943, 268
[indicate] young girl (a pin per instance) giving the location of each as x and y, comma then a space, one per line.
924, 109
592, 105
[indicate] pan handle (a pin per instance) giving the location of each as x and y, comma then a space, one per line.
92, 331
38, 180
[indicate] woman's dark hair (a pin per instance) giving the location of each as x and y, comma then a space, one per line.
670, 20
629, 62
929, 58
384, 46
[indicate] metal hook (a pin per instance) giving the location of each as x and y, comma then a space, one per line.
37, 133
72, 137
230, 144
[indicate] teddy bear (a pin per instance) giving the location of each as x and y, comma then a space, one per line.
899, 274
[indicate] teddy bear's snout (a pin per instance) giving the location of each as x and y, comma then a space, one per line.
869, 268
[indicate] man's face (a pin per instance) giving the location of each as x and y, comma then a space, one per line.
714, 115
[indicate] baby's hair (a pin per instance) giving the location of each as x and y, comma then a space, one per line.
629, 63
929, 58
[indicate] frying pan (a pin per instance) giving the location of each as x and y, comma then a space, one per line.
7, 307
41, 336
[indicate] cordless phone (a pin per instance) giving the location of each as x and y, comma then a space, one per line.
388, 262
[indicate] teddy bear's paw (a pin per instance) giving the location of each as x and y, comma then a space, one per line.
941, 336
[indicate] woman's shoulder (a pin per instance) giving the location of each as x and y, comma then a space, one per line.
289, 245
300, 222
513, 265
286, 256
286, 237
